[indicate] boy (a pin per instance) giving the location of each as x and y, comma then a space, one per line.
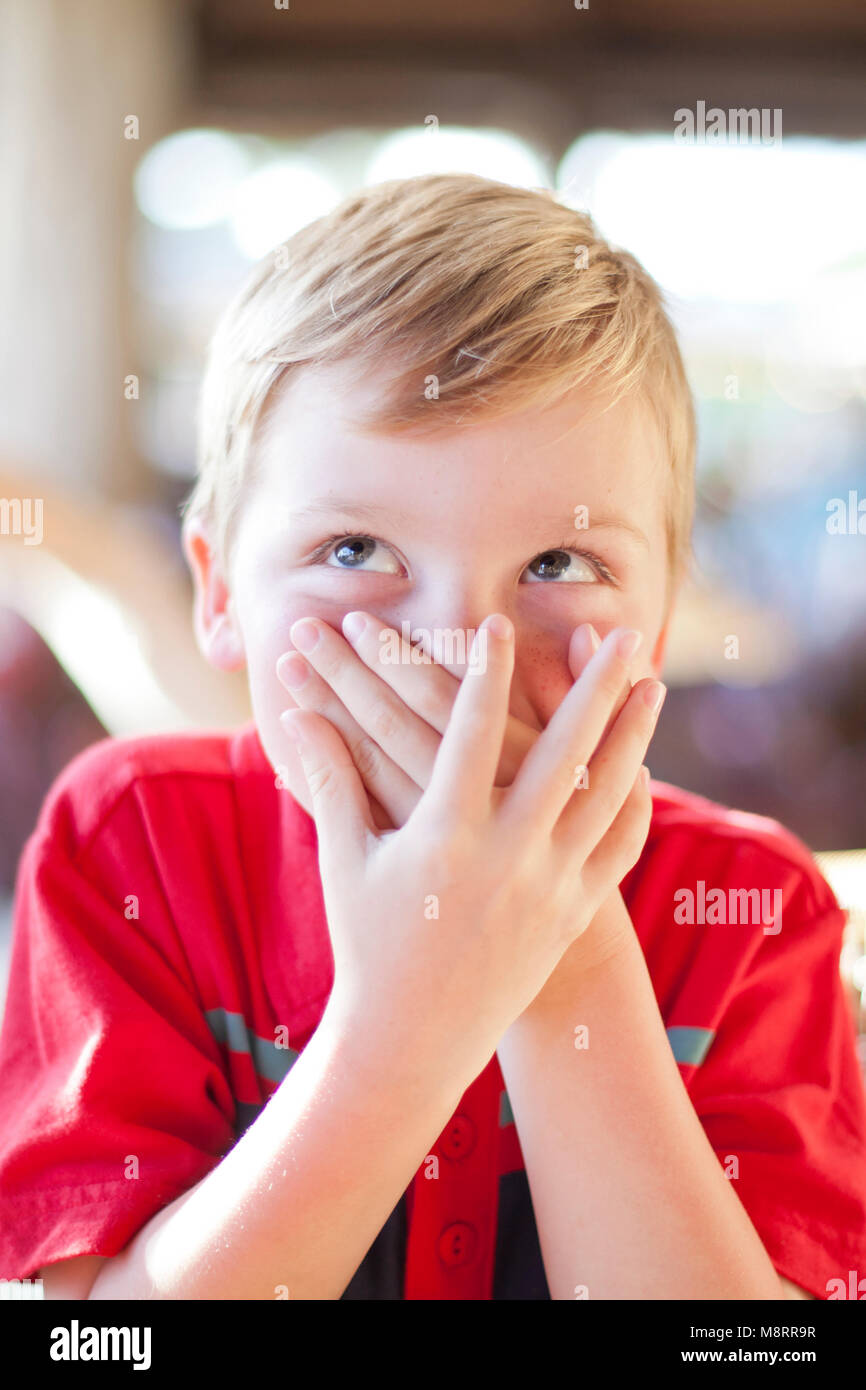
431, 916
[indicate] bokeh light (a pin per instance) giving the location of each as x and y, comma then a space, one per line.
436, 149
742, 223
277, 200
189, 179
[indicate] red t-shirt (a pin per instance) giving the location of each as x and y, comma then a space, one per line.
170, 959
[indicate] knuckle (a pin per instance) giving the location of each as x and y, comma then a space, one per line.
368, 757
605, 802
321, 781
384, 724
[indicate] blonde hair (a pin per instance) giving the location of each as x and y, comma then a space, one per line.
501, 296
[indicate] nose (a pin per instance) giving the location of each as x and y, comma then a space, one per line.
447, 630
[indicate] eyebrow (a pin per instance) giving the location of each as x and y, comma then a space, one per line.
365, 511
347, 506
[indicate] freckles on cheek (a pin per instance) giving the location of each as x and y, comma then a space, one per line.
544, 665
543, 677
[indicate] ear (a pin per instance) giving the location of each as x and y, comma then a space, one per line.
658, 655
216, 627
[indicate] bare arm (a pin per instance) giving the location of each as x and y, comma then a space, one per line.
71, 1278
629, 1197
299, 1200
790, 1290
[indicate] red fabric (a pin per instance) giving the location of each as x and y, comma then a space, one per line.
457, 1201
169, 876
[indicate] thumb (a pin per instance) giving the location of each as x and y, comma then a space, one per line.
341, 808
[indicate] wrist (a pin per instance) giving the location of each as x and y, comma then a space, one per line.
609, 936
599, 951
381, 1050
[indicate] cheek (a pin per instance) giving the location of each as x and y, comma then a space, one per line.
266, 617
541, 678
266, 625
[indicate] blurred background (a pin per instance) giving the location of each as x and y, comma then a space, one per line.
150, 152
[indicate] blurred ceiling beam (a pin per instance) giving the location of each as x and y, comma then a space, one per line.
545, 70
772, 22
550, 105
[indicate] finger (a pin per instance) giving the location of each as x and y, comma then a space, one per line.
462, 781
340, 806
407, 740
519, 738
621, 848
546, 779
420, 682
395, 791
584, 642
611, 774
425, 686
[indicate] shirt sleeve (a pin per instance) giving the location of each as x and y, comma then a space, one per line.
113, 1095
781, 1097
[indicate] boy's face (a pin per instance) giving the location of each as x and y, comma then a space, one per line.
460, 521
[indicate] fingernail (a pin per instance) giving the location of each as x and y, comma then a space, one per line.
628, 644
500, 626
304, 634
291, 728
654, 695
353, 626
293, 671
645, 775
594, 639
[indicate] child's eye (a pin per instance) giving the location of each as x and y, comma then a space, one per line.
567, 565
357, 552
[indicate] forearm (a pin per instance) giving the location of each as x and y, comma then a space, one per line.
629, 1197
298, 1201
